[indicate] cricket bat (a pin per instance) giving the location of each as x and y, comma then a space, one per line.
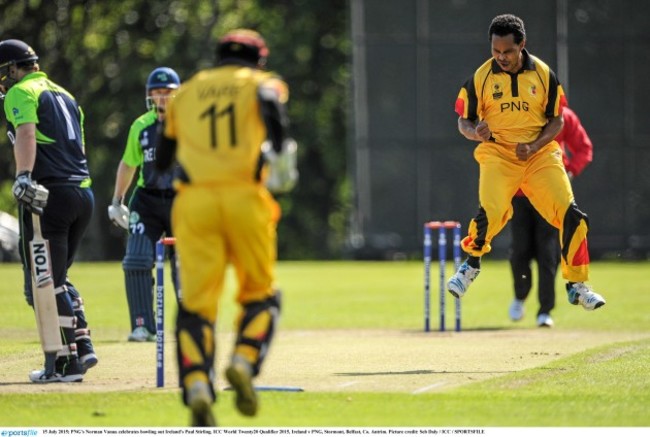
47, 315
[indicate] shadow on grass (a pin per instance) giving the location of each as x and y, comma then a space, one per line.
414, 372
26, 383
451, 330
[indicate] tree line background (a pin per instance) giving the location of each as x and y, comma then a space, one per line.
102, 52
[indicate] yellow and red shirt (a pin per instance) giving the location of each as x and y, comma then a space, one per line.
515, 106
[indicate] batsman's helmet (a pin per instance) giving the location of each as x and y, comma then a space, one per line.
161, 77
14, 52
242, 45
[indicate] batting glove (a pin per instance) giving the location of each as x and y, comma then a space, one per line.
118, 213
32, 196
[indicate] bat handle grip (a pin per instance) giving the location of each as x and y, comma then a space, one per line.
36, 224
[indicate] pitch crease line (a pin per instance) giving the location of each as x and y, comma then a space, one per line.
427, 388
348, 384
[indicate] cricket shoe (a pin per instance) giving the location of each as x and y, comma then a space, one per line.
66, 370
199, 399
85, 349
141, 334
239, 375
544, 321
40, 377
462, 279
516, 310
581, 293
87, 361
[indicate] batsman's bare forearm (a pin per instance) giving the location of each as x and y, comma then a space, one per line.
123, 180
25, 147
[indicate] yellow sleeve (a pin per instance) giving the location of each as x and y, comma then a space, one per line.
170, 126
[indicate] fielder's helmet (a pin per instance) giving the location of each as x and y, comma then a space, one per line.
243, 44
161, 77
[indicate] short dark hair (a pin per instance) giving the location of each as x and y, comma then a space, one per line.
506, 24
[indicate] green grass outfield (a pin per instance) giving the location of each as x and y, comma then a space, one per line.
351, 336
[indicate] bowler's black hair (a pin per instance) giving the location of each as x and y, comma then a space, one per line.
506, 24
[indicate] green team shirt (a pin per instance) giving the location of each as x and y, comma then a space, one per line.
140, 151
515, 106
60, 156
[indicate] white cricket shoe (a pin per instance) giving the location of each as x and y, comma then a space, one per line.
516, 310
66, 370
581, 293
39, 377
140, 334
462, 279
544, 321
